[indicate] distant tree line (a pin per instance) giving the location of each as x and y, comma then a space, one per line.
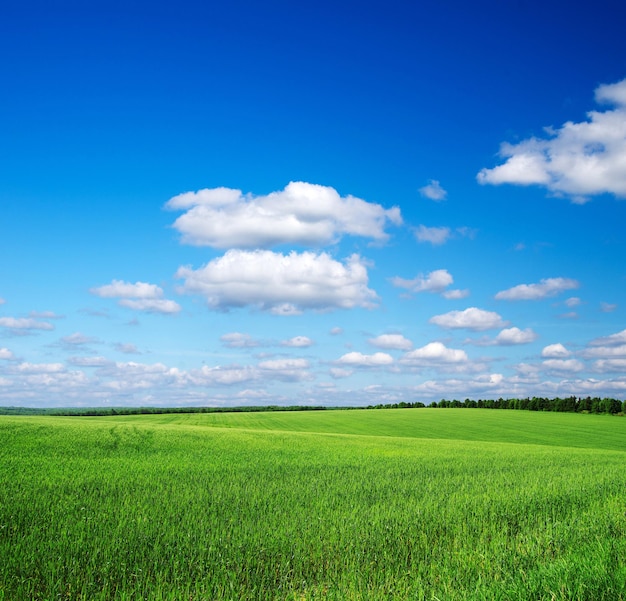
569, 404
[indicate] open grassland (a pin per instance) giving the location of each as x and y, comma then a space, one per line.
389, 504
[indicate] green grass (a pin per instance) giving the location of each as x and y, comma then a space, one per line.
390, 504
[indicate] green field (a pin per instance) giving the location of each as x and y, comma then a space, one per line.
380, 504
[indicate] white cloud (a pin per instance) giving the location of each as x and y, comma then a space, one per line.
139, 296
545, 288
573, 301
612, 340
238, 340
606, 351
577, 159
434, 235
282, 284
127, 348
356, 359
435, 281
433, 190
222, 375
339, 372
151, 305
456, 294
5, 353
557, 351
2, 301
471, 318
336, 331
608, 307
511, 336
563, 365
37, 368
121, 289
286, 370
76, 340
302, 213
298, 342
434, 353
610, 365
24, 323
391, 341
88, 361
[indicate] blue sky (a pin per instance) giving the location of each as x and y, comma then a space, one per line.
323, 203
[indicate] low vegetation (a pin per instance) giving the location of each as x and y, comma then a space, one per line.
340, 505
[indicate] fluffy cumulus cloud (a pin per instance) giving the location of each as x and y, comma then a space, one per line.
578, 159
434, 353
391, 341
433, 191
297, 342
356, 359
511, 336
139, 296
545, 288
555, 351
281, 284
435, 281
302, 213
471, 318
5, 353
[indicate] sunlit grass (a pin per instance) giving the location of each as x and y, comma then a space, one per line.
173, 507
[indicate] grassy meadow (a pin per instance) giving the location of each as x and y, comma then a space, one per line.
433, 504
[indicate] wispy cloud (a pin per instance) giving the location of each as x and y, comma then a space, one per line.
435, 235
545, 288
24, 323
298, 342
433, 191
139, 296
238, 340
356, 359
435, 281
